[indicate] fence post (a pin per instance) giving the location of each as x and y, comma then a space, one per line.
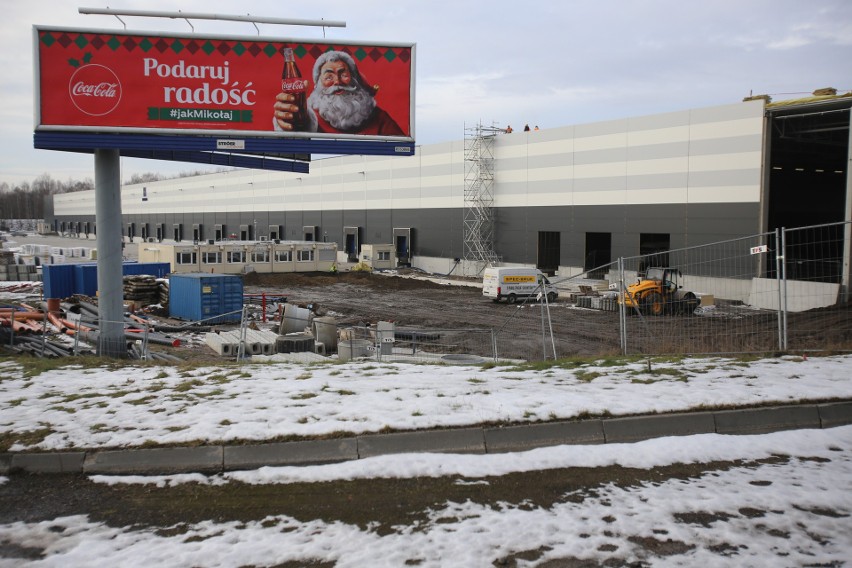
241, 349
779, 279
145, 343
622, 308
44, 331
784, 282
494, 344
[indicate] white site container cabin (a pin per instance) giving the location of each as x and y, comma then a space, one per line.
513, 284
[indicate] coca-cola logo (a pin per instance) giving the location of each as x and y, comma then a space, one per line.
95, 90
294, 85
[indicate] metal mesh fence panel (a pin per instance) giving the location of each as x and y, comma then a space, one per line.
716, 298
816, 288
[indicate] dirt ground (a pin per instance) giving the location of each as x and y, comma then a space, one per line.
523, 331
383, 505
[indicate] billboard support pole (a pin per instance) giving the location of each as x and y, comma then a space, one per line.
111, 341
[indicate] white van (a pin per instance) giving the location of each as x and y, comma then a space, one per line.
513, 284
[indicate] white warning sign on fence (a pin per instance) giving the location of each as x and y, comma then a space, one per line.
760, 249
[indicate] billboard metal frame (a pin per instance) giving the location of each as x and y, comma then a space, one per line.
285, 154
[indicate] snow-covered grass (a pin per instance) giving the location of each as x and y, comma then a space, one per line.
98, 406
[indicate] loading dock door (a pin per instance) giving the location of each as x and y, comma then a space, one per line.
403, 245
548, 252
351, 243
654, 247
598, 252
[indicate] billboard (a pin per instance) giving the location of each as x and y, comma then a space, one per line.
186, 84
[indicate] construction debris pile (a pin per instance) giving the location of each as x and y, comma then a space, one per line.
54, 329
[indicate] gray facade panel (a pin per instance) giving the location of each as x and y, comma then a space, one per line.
614, 183
659, 181
378, 194
605, 156
556, 160
379, 226
731, 145
407, 193
406, 172
379, 175
547, 186
432, 191
658, 151
509, 164
436, 170
722, 178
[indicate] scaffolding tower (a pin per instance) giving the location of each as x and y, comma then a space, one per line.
479, 215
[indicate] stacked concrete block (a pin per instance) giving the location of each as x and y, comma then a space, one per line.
10, 271
227, 343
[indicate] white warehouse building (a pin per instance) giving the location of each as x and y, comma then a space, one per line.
564, 199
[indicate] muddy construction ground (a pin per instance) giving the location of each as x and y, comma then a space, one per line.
524, 331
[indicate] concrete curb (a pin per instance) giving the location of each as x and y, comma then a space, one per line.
762, 420
290, 453
59, 462
156, 461
835, 414
638, 428
528, 437
460, 441
491, 440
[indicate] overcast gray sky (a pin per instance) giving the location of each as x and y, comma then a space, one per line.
545, 62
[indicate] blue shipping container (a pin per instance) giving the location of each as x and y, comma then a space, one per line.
156, 269
86, 275
199, 296
58, 280
86, 279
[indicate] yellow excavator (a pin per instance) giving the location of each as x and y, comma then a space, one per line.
660, 292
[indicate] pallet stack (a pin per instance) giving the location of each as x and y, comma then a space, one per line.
141, 289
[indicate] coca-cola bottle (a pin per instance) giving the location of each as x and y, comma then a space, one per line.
293, 84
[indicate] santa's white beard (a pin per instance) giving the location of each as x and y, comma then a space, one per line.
344, 111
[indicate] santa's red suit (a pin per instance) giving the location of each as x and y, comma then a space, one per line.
379, 123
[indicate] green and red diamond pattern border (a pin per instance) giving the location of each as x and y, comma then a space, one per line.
211, 46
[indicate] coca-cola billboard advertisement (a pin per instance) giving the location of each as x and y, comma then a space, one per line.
108, 81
